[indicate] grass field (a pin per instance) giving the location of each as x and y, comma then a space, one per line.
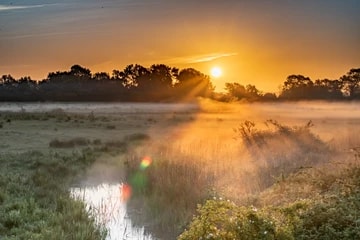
233, 157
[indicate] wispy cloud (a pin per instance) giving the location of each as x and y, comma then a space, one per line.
13, 7
199, 58
209, 57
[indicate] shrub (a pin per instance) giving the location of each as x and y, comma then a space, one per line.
336, 216
223, 220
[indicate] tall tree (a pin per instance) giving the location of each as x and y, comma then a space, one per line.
297, 87
133, 75
7, 79
163, 76
351, 83
192, 83
328, 89
101, 76
235, 90
79, 71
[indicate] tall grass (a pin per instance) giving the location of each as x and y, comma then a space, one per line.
190, 168
166, 193
280, 150
317, 202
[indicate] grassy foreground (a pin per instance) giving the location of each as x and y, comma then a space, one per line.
34, 197
269, 182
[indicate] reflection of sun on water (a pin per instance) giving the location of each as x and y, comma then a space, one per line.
103, 202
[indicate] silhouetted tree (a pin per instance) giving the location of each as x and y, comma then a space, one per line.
101, 76
79, 71
7, 79
269, 97
297, 87
351, 83
328, 89
163, 76
192, 83
160, 82
133, 75
236, 90
252, 93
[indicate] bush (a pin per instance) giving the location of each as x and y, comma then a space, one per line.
336, 216
222, 220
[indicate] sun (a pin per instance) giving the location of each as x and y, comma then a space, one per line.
216, 72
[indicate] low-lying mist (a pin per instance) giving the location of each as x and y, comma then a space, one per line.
235, 151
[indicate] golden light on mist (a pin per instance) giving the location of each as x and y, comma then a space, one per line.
216, 72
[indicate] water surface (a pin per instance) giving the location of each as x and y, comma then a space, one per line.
104, 202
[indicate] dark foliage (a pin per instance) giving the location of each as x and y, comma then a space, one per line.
134, 84
161, 83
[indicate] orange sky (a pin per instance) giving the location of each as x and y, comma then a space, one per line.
255, 42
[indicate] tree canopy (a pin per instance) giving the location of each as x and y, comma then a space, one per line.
160, 82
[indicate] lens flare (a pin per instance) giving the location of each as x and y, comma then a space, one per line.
145, 163
125, 192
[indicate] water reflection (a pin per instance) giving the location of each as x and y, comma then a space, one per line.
105, 203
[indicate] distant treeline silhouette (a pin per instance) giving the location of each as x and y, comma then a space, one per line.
161, 83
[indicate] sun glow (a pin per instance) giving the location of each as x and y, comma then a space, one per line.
216, 72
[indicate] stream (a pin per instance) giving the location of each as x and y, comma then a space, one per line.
106, 203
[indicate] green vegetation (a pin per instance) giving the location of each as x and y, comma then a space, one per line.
79, 141
333, 214
296, 191
316, 201
273, 181
34, 197
166, 193
220, 219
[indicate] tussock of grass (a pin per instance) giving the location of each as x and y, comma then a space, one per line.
281, 150
75, 142
118, 144
137, 137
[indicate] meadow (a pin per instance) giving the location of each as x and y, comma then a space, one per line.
215, 170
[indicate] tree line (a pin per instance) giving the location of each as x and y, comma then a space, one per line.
299, 87
159, 83
134, 83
